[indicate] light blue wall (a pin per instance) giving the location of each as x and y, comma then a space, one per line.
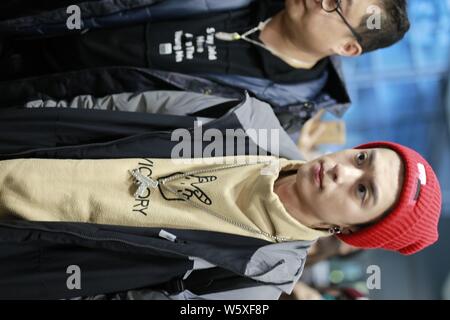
399, 93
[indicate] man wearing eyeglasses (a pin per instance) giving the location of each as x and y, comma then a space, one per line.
311, 30
277, 50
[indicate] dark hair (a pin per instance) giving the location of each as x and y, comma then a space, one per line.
394, 25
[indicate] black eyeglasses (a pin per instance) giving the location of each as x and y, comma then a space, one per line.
335, 6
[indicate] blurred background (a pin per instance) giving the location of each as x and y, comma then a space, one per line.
402, 94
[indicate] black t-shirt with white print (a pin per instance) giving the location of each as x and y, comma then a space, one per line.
190, 46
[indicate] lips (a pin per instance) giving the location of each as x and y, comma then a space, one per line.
318, 175
321, 174
305, 6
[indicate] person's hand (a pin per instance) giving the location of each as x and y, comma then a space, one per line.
309, 135
304, 292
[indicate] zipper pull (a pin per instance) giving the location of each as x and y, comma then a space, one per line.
143, 183
167, 235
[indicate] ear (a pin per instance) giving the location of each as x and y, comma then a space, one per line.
349, 48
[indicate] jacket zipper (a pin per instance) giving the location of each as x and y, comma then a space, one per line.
93, 238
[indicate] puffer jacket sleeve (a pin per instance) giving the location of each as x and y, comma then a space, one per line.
161, 102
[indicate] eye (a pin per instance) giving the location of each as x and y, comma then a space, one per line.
361, 191
361, 158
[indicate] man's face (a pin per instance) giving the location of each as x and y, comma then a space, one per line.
351, 187
322, 31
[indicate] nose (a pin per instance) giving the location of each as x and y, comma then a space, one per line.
340, 174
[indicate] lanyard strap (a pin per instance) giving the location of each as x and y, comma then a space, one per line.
235, 36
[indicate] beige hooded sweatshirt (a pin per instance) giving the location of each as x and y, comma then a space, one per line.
221, 197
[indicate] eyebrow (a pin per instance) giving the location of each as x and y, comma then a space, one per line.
373, 187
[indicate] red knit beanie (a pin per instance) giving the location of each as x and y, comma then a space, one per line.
412, 224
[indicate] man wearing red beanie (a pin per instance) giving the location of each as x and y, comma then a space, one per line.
228, 224
378, 195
